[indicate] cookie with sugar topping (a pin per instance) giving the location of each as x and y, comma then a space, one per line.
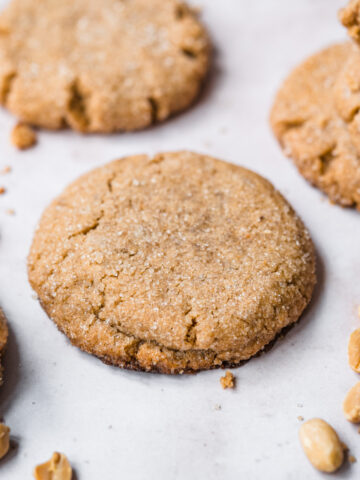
309, 119
100, 67
174, 263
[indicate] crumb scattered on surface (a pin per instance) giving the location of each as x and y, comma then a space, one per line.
10, 211
217, 407
23, 136
352, 459
5, 170
228, 380
300, 418
2, 190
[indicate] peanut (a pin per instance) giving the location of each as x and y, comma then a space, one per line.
351, 405
354, 350
57, 468
4, 440
321, 445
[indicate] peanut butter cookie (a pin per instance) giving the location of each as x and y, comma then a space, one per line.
306, 118
100, 66
3, 340
174, 264
350, 18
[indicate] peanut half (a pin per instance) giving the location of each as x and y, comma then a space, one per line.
321, 445
4, 440
57, 468
354, 350
351, 405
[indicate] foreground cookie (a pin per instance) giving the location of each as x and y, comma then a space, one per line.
307, 120
121, 65
175, 263
3, 339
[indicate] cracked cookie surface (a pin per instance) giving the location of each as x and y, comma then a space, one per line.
3, 339
309, 120
100, 67
175, 263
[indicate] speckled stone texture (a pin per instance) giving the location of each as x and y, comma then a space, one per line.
100, 66
172, 263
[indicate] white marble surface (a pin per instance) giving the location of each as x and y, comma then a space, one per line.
118, 424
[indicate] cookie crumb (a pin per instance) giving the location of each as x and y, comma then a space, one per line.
352, 459
10, 211
228, 380
23, 136
2, 190
300, 418
5, 170
217, 407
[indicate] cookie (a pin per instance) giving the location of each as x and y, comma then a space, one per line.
118, 65
174, 264
308, 124
347, 97
3, 339
350, 18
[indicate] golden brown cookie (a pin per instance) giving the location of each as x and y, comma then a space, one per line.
306, 120
347, 97
100, 66
3, 340
174, 263
350, 18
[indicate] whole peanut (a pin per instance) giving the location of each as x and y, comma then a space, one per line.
351, 405
321, 445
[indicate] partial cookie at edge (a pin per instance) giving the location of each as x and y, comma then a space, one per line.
350, 18
306, 120
3, 339
122, 68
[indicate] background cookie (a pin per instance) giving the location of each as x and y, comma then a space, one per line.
350, 18
175, 263
307, 122
347, 96
100, 68
3, 339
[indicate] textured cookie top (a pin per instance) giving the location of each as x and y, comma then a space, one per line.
100, 66
3, 338
180, 251
350, 18
308, 118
